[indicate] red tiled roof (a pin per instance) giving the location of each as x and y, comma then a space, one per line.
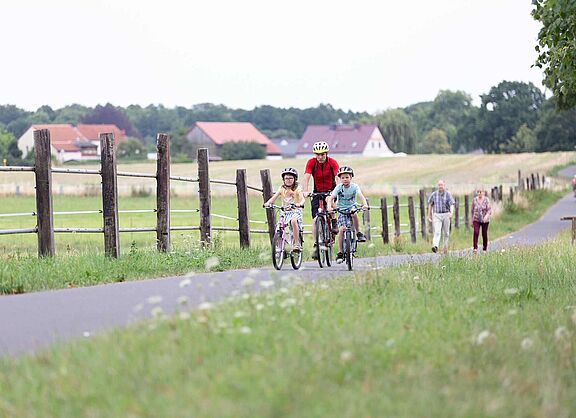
92, 132
222, 132
339, 137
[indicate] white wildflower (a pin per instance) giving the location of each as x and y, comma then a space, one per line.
480, 338
471, 300
527, 343
259, 307
267, 283
248, 281
245, 330
307, 294
157, 312
371, 245
288, 302
390, 343
205, 306
184, 316
153, 300
512, 312
416, 278
561, 332
283, 290
510, 291
324, 286
239, 314
185, 282
182, 300
346, 356
211, 262
86, 334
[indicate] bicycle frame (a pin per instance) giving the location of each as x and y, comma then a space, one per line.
281, 238
323, 237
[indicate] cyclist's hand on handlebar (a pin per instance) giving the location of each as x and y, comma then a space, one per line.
365, 207
306, 194
265, 206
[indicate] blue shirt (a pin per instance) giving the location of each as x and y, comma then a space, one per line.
441, 202
346, 196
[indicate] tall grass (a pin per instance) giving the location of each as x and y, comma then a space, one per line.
488, 335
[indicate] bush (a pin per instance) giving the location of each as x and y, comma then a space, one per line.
242, 151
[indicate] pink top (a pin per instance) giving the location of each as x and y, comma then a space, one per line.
480, 209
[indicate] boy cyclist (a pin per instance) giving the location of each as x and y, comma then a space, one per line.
345, 194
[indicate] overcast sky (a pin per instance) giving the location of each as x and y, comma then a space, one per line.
361, 55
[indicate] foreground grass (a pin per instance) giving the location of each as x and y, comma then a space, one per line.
20, 273
491, 335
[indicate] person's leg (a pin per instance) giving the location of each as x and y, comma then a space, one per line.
445, 231
295, 234
356, 222
437, 227
485, 236
475, 236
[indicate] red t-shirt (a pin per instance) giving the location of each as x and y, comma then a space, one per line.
322, 174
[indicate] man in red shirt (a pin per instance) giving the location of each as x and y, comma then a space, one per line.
323, 169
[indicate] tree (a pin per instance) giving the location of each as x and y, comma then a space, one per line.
9, 150
523, 141
504, 109
242, 151
556, 48
556, 129
131, 149
112, 115
435, 142
398, 130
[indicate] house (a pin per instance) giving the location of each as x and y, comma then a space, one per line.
69, 142
288, 146
349, 140
213, 135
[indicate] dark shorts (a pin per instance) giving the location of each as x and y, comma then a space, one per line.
316, 205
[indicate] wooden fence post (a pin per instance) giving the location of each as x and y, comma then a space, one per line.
533, 181
412, 219
500, 193
467, 211
109, 196
163, 193
396, 212
457, 212
422, 213
384, 210
537, 180
543, 181
267, 194
520, 182
242, 194
511, 194
527, 183
366, 222
44, 209
205, 197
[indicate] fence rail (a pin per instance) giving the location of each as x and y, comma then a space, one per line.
111, 229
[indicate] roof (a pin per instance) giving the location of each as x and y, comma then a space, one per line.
92, 132
348, 139
65, 137
222, 132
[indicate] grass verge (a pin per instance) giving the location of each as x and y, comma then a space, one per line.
491, 335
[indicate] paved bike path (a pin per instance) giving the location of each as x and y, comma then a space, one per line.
31, 321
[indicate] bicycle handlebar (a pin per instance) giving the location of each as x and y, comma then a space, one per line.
292, 206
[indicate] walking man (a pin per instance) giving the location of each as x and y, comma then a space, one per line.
440, 212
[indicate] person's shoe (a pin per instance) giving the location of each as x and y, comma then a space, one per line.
360, 237
314, 252
296, 248
434, 249
339, 258
475, 251
334, 227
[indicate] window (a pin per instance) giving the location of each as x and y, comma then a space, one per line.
305, 145
354, 144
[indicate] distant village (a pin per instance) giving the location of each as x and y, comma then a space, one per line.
81, 142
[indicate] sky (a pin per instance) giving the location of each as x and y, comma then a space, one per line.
362, 55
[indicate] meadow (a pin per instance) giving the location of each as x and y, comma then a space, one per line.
490, 335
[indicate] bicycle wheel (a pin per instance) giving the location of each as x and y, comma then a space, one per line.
320, 241
278, 250
328, 242
348, 249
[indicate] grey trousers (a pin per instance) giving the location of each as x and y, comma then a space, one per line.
441, 224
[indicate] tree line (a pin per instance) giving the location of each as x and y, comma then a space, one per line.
512, 117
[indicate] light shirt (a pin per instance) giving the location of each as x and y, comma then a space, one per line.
345, 196
290, 196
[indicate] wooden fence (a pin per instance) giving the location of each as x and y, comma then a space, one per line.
111, 229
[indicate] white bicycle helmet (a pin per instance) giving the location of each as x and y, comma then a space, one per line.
345, 170
320, 147
291, 171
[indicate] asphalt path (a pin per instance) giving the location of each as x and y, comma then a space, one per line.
33, 321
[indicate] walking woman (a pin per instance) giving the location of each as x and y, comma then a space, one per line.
481, 213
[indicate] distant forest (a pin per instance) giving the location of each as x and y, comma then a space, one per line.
512, 117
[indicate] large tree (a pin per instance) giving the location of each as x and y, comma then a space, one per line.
110, 114
507, 107
9, 148
398, 130
556, 129
557, 48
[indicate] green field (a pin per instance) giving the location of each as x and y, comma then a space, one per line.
490, 335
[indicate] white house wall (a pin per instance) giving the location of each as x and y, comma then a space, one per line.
376, 146
26, 141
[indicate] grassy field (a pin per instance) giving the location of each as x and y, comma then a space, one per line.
80, 260
490, 335
377, 175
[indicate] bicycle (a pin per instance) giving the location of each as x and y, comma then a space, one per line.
324, 238
284, 236
349, 239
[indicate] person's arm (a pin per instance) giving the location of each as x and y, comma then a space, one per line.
305, 183
452, 203
430, 212
272, 199
362, 199
336, 167
300, 197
